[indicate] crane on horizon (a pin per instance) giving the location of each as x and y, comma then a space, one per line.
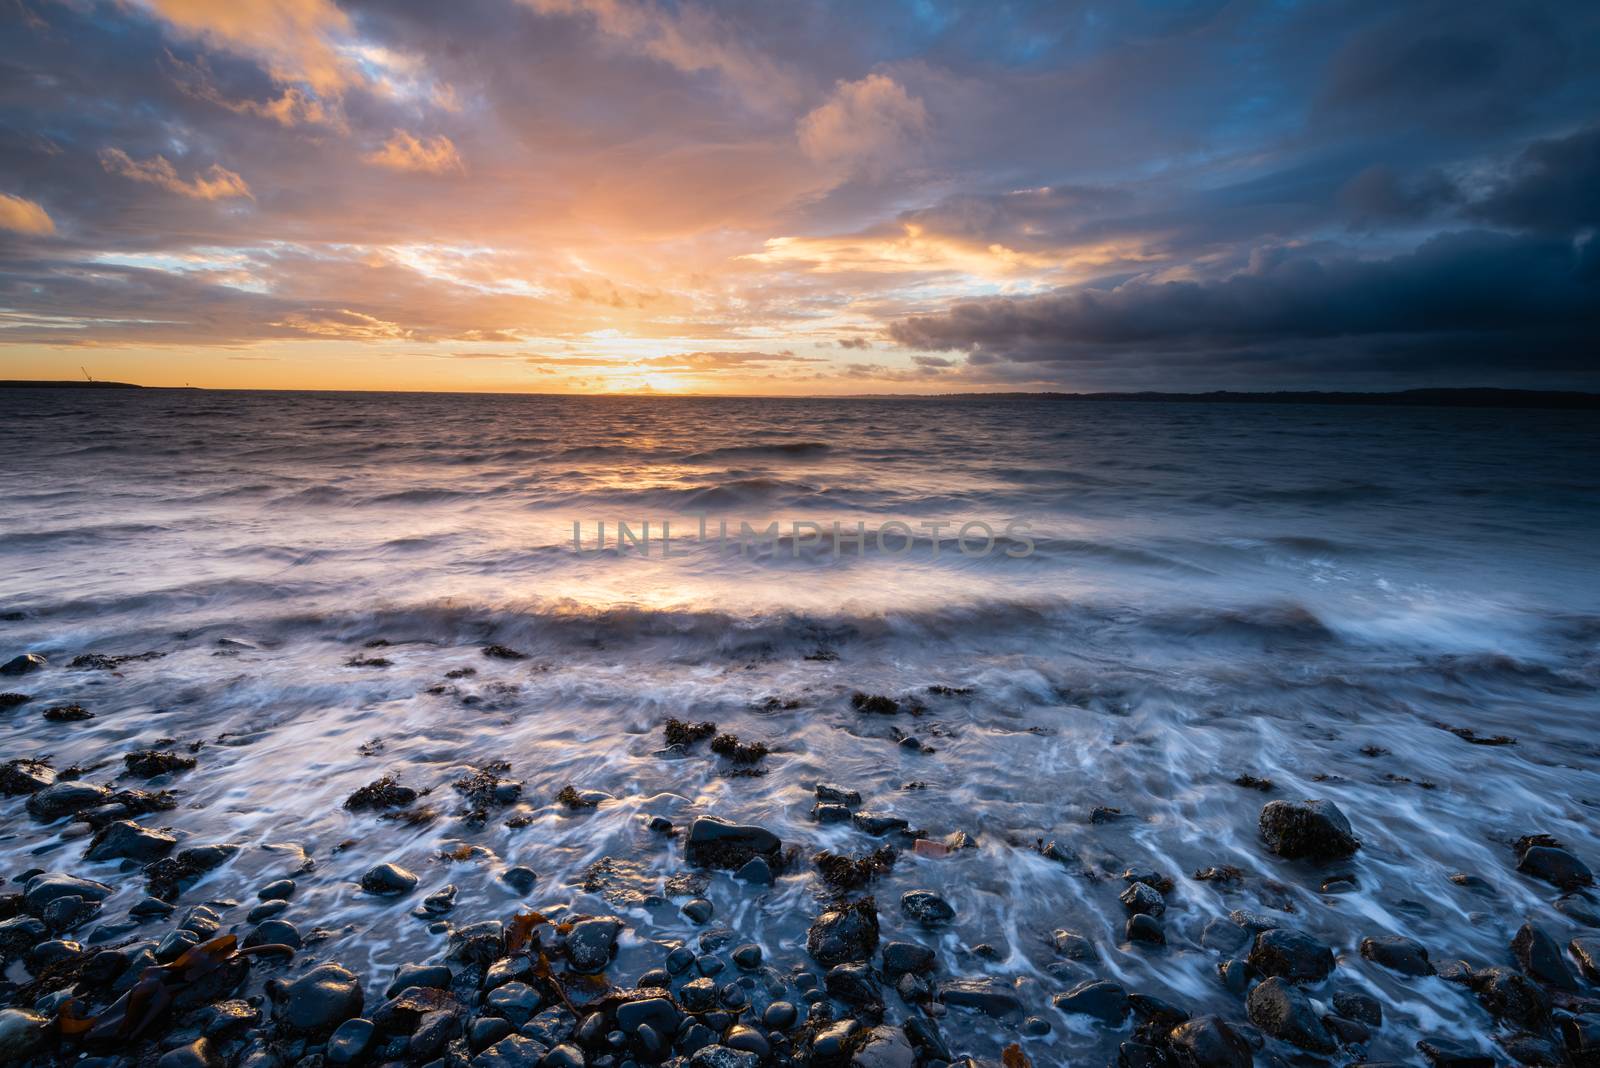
85, 371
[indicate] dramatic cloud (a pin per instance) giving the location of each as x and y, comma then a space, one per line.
405, 152
796, 198
23, 216
216, 182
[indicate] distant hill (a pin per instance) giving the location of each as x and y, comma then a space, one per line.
39, 383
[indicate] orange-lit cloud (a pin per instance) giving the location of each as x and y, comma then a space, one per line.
216, 182
406, 152
23, 216
872, 122
298, 40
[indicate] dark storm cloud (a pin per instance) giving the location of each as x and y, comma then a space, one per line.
1554, 186
1519, 302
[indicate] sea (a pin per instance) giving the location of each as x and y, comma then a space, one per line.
1096, 620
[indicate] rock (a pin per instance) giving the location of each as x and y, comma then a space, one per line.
320, 1000
349, 1041
169, 877
25, 777
124, 838
847, 931
853, 984
1585, 949
902, 957
883, 1047
747, 956
1397, 953
513, 1051
1284, 1012
779, 1016
65, 799
1235, 975
1104, 1000
698, 910
1581, 1035
22, 1033
566, 1055
10, 700
1555, 866
23, 665
1293, 955
717, 843
1222, 935
46, 887
927, 908
837, 795
878, 823
1445, 1052
197, 1054
1209, 1042
1073, 946
658, 1013
756, 870
203, 921
273, 933
388, 880
67, 714
719, 1056
1143, 898
515, 1001
1512, 996
148, 763
1145, 928
830, 813
1353, 1005
281, 890
1578, 909
429, 976
1540, 956
1316, 830
520, 878
440, 901
986, 995
592, 943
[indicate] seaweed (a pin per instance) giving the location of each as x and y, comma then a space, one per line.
678, 732
851, 873
729, 745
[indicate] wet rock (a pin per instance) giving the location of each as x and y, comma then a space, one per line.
592, 943
1284, 1012
878, 823
719, 1056
1512, 996
429, 976
757, 871
379, 794
1535, 1050
1540, 956
739, 752
350, 1041
20, 934
853, 984
1313, 829
1104, 1000
388, 880
900, 958
1578, 909
1143, 898
875, 704
1581, 1036
927, 908
520, 878
1222, 935
1145, 928
502, 652
124, 838
987, 996
46, 887
747, 956
823, 813
1073, 946
197, 1054
1353, 1005
681, 733
51, 952
698, 910
273, 933
837, 795
578, 800
1397, 953
1543, 858
440, 901
779, 1016
718, 843
883, 1047
513, 1051
67, 714
65, 799
148, 763
1235, 975
201, 920
25, 777
1293, 955
320, 1000
23, 665
1346, 1032
847, 931
10, 700
1443, 1052
1209, 1042
1586, 951
515, 1001
168, 877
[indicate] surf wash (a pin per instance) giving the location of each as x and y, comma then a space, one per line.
974, 538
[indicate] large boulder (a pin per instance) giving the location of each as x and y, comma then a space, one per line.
1316, 830
1294, 955
320, 1000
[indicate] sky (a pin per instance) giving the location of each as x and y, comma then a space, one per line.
868, 196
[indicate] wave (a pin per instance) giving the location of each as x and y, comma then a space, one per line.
783, 450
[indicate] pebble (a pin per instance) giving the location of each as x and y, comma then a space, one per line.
927, 908
1143, 898
698, 910
279, 890
847, 931
1145, 928
1104, 1000
1316, 830
592, 943
350, 1040
124, 838
520, 878
388, 880
1398, 954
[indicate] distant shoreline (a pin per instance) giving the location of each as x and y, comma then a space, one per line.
1570, 400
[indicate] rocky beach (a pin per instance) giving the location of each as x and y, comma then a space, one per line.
323, 748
